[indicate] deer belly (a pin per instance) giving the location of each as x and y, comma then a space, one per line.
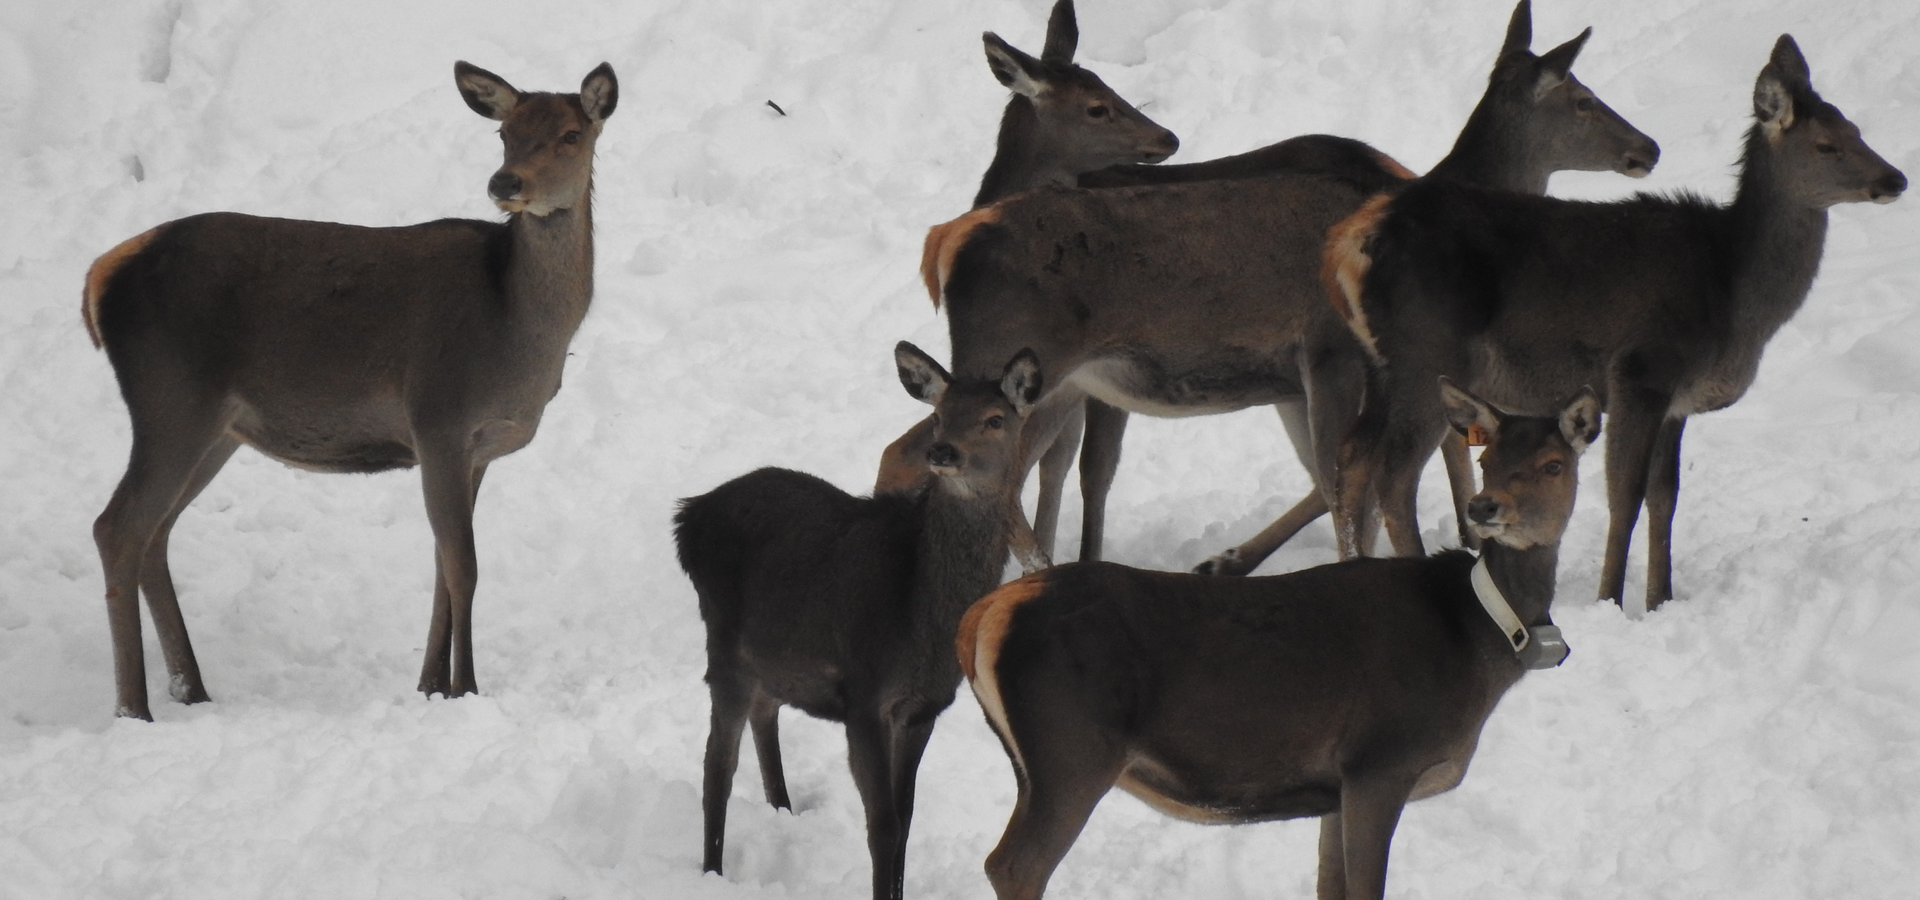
1199, 798
1167, 391
327, 443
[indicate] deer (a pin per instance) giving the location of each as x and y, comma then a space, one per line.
1343, 691
1046, 139
1061, 122
1665, 303
341, 348
1206, 296
846, 607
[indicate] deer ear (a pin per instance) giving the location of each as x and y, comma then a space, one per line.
1469, 415
1773, 91
925, 379
1556, 65
1580, 420
1063, 35
488, 94
1021, 73
1519, 30
599, 93
1021, 383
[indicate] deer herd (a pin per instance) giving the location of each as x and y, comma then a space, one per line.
1382, 314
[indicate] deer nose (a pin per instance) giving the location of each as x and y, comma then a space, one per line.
1162, 147
943, 456
1640, 162
1482, 508
1889, 189
503, 185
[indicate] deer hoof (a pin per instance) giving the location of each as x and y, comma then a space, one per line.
1226, 564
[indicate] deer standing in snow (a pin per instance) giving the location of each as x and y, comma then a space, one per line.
1342, 691
339, 348
1664, 303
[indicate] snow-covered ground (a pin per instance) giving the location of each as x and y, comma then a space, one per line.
1758, 738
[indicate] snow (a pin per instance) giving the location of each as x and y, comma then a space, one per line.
1756, 738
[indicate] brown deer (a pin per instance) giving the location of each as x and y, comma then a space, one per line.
845, 607
1664, 302
1342, 691
1064, 127
1206, 297
339, 348
1061, 123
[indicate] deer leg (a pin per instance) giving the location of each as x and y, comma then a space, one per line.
1369, 811
1248, 556
1331, 884
1632, 431
1663, 496
1459, 461
1055, 460
1405, 455
903, 465
869, 746
731, 706
1056, 798
764, 715
156, 582
1099, 460
168, 446
908, 745
450, 481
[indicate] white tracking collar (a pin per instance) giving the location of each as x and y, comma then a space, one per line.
1497, 606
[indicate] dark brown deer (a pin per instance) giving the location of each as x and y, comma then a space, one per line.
845, 607
1064, 126
1664, 302
1061, 122
1342, 691
339, 348
1206, 297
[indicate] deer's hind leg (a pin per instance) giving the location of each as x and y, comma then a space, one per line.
764, 716
731, 704
1061, 787
156, 582
175, 429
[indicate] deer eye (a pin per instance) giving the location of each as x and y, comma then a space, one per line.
935, 419
996, 422
1098, 111
571, 137
1826, 148
1554, 468
1584, 104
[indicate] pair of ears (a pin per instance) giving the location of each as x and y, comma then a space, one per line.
491, 96
927, 380
1472, 416
1025, 75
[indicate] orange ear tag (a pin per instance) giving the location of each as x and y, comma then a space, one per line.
1476, 435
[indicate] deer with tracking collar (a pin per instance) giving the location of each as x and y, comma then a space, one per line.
1206, 297
1342, 691
845, 607
340, 348
1665, 303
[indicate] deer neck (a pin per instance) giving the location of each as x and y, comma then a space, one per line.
549, 274
1525, 578
1778, 242
961, 554
1492, 154
1020, 163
